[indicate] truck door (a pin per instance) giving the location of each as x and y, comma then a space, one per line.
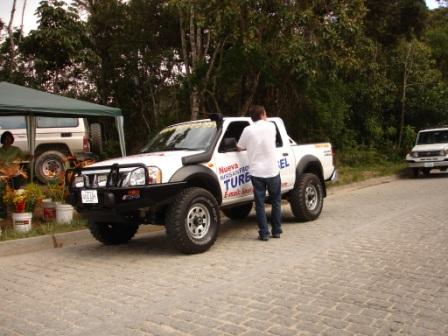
285, 160
232, 167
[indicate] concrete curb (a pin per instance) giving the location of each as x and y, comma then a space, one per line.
67, 239
58, 240
363, 184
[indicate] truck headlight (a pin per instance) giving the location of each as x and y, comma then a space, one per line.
136, 177
78, 182
154, 175
414, 154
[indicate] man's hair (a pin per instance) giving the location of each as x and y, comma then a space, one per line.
256, 111
4, 135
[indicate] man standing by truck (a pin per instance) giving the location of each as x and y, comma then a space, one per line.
259, 141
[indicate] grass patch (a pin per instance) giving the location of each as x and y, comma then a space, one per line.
42, 228
347, 174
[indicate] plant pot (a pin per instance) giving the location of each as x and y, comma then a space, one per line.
22, 221
64, 213
49, 210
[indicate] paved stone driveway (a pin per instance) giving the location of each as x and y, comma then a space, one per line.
375, 263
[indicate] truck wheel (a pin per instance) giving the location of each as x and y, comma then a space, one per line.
112, 233
192, 221
239, 211
415, 172
48, 165
96, 136
306, 199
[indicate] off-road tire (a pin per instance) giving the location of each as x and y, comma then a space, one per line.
48, 165
239, 211
96, 138
306, 199
192, 221
112, 233
415, 172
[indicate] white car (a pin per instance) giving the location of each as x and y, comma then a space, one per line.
430, 151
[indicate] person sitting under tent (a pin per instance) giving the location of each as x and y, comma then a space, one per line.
11, 160
11, 172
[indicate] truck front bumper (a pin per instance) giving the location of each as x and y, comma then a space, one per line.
117, 199
427, 164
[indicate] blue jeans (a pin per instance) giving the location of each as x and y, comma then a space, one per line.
273, 186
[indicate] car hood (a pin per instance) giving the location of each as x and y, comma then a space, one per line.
168, 162
430, 147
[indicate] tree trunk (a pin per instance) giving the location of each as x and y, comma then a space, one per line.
195, 103
407, 69
250, 97
11, 40
21, 22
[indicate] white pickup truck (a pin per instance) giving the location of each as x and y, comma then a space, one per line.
186, 174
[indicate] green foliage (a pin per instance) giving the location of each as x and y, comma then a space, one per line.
333, 70
57, 50
34, 195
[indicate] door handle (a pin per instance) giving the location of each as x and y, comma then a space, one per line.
285, 154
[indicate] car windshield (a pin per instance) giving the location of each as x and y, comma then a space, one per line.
188, 136
432, 137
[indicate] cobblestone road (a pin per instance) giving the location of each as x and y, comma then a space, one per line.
375, 263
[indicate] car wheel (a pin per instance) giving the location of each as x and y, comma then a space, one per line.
306, 199
192, 221
49, 164
96, 136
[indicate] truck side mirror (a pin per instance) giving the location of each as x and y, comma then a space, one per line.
229, 144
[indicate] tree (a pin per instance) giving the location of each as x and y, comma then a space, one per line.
389, 20
203, 38
57, 49
421, 87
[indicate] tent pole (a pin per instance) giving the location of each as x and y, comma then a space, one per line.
31, 137
119, 121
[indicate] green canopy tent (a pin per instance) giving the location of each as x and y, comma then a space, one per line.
19, 100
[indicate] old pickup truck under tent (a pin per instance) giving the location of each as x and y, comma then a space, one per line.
31, 103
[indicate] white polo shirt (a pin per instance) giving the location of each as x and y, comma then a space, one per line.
259, 141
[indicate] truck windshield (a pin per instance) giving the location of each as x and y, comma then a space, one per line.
433, 137
188, 136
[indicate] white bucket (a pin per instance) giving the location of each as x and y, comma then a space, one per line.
64, 213
49, 209
22, 221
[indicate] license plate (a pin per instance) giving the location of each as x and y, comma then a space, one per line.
89, 196
429, 164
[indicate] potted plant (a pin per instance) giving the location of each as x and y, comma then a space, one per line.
56, 191
23, 202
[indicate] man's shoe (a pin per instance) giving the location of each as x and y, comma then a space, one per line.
263, 238
276, 235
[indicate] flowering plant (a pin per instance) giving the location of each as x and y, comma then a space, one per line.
56, 188
23, 200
